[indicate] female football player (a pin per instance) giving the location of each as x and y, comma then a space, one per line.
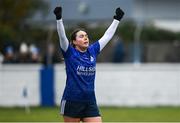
78, 101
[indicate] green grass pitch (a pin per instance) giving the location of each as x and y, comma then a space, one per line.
109, 114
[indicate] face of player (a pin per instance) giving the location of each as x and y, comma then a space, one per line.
82, 41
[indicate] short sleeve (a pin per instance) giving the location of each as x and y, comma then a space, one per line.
95, 48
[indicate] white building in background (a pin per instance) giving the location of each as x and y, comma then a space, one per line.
173, 25
164, 13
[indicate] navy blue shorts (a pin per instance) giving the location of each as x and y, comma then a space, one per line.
76, 109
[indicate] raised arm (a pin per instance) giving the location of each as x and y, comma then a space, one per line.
112, 29
64, 43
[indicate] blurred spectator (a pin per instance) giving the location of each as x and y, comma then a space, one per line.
23, 53
34, 54
9, 55
118, 53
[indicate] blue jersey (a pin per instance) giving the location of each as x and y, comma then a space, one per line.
80, 70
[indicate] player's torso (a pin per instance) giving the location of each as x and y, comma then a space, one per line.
81, 70
82, 65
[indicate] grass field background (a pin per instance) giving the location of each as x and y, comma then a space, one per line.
109, 114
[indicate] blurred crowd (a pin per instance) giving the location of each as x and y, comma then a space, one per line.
26, 54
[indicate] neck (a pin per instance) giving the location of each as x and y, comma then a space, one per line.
81, 49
